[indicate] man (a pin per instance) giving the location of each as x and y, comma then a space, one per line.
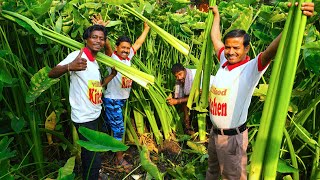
184, 79
230, 96
85, 91
118, 89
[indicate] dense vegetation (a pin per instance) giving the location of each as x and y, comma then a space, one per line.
33, 147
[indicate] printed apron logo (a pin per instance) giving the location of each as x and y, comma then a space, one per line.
218, 99
126, 82
94, 92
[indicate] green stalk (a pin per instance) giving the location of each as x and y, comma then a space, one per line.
259, 148
292, 154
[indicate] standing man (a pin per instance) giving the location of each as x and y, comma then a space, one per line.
230, 96
118, 89
85, 91
184, 79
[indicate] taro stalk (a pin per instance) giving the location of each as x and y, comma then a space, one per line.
140, 77
203, 73
267, 147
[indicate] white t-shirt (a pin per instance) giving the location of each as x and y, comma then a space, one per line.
85, 90
120, 86
231, 91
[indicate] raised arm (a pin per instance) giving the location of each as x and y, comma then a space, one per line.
78, 64
270, 52
97, 19
215, 30
142, 37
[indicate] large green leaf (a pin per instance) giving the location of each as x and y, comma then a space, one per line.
41, 8
148, 165
284, 167
312, 57
5, 153
17, 124
100, 142
39, 83
117, 2
66, 172
243, 21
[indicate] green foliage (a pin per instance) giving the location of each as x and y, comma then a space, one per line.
5, 155
284, 167
148, 165
39, 83
100, 142
66, 172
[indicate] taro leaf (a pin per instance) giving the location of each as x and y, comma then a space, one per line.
40, 9
148, 7
99, 141
261, 91
263, 37
243, 21
16, 123
198, 25
117, 2
287, 177
5, 77
90, 5
305, 136
58, 25
66, 172
311, 54
185, 28
39, 83
148, 165
5, 152
284, 167
113, 23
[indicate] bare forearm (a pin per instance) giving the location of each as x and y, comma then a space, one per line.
138, 43
108, 50
183, 100
58, 71
107, 80
271, 51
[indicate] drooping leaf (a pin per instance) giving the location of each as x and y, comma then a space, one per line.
17, 123
305, 136
284, 167
113, 23
66, 172
100, 142
58, 25
148, 165
5, 77
312, 58
39, 83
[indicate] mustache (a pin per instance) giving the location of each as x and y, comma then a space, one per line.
125, 52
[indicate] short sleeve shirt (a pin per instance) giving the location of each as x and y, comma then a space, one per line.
85, 90
120, 86
231, 91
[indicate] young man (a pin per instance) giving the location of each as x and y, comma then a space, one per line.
230, 96
118, 89
184, 80
85, 91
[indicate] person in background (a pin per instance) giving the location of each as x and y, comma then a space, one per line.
230, 96
85, 91
117, 89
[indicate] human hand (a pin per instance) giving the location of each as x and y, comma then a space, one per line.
307, 8
146, 26
78, 64
97, 19
113, 71
171, 101
214, 9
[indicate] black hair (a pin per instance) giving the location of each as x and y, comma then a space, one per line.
92, 28
123, 39
177, 68
238, 33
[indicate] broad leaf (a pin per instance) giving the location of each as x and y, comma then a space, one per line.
283, 167
58, 25
117, 2
312, 58
5, 77
243, 21
17, 124
113, 23
41, 8
305, 136
148, 165
39, 83
100, 142
5, 152
66, 172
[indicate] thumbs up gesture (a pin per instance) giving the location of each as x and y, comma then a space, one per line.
79, 63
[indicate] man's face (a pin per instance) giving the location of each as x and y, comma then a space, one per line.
96, 41
181, 76
235, 50
123, 49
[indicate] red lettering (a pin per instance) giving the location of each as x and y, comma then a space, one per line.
218, 109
